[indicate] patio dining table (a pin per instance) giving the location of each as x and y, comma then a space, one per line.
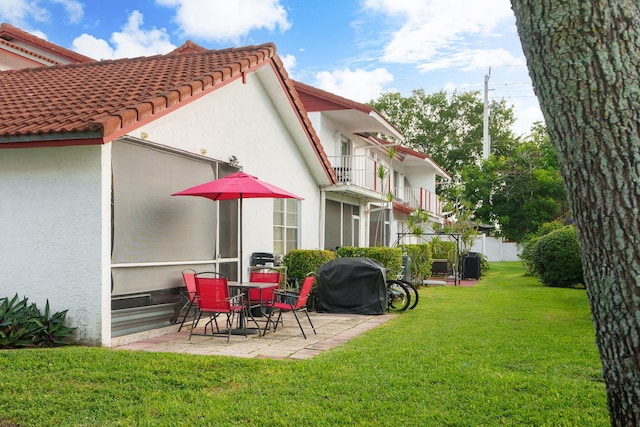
245, 287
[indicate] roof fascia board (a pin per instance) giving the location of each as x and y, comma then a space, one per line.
58, 140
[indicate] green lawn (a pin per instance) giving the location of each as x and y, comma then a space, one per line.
505, 352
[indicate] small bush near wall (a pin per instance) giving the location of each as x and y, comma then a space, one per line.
23, 325
301, 262
556, 258
391, 258
421, 261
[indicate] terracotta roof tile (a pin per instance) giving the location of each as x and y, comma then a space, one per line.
187, 47
90, 97
98, 100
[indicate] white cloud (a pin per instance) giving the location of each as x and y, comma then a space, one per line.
21, 12
92, 47
289, 62
470, 60
18, 12
131, 42
227, 21
358, 85
432, 28
74, 9
527, 112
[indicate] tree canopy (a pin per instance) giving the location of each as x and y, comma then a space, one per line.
518, 188
520, 191
448, 128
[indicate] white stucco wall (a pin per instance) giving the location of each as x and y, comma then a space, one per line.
239, 119
51, 230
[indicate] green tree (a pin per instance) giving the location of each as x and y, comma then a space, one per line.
449, 128
519, 192
583, 58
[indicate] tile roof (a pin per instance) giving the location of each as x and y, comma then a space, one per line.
12, 34
187, 47
98, 99
96, 102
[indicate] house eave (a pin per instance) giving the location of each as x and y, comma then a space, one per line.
52, 140
356, 192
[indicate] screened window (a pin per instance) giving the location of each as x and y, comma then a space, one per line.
342, 225
150, 227
286, 222
380, 230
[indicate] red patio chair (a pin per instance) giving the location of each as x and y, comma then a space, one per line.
188, 276
284, 300
213, 298
262, 298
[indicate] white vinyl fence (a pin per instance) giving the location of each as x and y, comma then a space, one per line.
496, 249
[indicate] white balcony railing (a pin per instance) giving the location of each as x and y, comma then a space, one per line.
418, 198
362, 171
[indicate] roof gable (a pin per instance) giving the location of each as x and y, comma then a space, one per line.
357, 116
40, 48
96, 102
99, 99
187, 47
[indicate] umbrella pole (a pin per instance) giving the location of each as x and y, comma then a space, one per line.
241, 252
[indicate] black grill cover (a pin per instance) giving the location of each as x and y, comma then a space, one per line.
351, 285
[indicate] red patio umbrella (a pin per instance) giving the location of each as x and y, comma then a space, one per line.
240, 186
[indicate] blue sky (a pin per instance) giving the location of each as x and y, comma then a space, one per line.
354, 48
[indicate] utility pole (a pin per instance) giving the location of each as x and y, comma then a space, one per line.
486, 141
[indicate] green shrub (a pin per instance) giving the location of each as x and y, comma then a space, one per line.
391, 258
22, 325
301, 262
484, 263
529, 244
556, 258
421, 260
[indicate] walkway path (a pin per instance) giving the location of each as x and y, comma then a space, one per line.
288, 342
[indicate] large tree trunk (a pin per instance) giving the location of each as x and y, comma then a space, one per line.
584, 60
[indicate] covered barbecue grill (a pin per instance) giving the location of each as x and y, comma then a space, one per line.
351, 285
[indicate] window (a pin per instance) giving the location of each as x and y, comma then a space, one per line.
342, 225
155, 234
380, 229
286, 219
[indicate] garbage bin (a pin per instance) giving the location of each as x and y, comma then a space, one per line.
471, 266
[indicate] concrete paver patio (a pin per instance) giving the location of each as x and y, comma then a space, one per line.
288, 342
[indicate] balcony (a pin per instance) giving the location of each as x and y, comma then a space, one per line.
361, 171
418, 198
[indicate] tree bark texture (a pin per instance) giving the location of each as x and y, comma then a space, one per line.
584, 60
